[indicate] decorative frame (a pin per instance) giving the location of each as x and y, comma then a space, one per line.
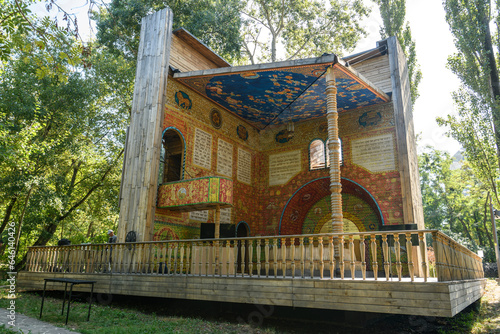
216, 118
242, 132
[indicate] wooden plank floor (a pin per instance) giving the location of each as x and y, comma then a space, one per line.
444, 299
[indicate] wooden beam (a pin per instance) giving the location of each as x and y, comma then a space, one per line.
143, 146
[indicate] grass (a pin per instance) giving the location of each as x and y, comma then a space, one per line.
125, 314
116, 318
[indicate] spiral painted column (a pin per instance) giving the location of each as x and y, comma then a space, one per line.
334, 152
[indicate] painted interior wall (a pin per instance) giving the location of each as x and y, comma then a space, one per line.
300, 203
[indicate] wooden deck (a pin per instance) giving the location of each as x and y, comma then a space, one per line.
322, 267
444, 299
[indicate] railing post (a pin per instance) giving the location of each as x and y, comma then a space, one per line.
423, 253
397, 247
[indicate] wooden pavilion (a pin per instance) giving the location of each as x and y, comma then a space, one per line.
292, 183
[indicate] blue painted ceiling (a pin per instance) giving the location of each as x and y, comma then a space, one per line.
275, 96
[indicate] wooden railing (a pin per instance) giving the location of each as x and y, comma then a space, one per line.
396, 255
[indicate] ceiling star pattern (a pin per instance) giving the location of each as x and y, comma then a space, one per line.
276, 96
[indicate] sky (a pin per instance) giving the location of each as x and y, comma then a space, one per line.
434, 43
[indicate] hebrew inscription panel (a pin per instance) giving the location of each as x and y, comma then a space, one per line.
375, 154
283, 167
225, 158
244, 171
202, 150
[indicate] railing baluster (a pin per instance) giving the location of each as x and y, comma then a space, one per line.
397, 247
266, 255
423, 254
236, 246
176, 258
362, 252
321, 263
259, 264
228, 253
292, 256
201, 254
181, 258
250, 257
220, 253
332, 257
275, 255
341, 259
302, 257
353, 256
283, 256
385, 249
373, 245
311, 254
243, 261
409, 250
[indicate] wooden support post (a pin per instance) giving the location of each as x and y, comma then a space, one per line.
143, 146
334, 152
217, 236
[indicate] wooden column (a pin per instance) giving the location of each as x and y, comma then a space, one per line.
217, 222
334, 151
143, 146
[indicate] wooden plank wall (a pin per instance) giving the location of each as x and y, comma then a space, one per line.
443, 299
407, 151
143, 146
185, 58
377, 71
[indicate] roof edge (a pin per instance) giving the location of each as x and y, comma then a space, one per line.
198, 45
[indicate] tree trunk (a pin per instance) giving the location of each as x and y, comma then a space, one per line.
8, 212
21, 219
494, 79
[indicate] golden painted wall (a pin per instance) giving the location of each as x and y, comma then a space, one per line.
263, 205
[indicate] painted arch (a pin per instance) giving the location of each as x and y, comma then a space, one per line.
309, 209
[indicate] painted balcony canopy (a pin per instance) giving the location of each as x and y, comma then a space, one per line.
275, 93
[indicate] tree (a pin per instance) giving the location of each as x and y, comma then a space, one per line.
455, 200
61, 138
16, 21
393, 14
304, 28
475, 62
214, 22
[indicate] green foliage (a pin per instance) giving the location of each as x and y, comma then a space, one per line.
303, 28
475, 64
214, 22
393, 14
61, 138
13, 24
455, 200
